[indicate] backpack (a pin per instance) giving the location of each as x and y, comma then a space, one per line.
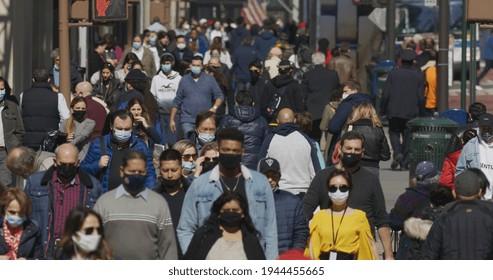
52, 140
274, 103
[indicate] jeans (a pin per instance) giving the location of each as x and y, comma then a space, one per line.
169, 137
398, 128
5, 175
187, 128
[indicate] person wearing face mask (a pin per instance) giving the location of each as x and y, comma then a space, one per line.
257, 81
150, 44
241, 58
208, 159
142, 127
340, 232
54, 72
20, 238
217, 50
105, 153
83, 238
228, 233
230, 176
478, 152
194, 37
78, 127
96, 57
143, 213
292, 226
12, 130
197, 92
206, 124
247, 119
107, 84
56, 191
352, 95
96, 108
329, 112
164, 87
172, 185
143, 54
189, 155
366, 193
182, 52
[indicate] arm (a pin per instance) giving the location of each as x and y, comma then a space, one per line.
227, 59
151, 171
339, 119
385, 95
271, 248
384, 147
91, 162
313, 250
384, 234
152, 133
217, 94
448, 173
154, 87
300, 228
63, 110
382, 220
85, 131
19, 126
189, 219
313, 197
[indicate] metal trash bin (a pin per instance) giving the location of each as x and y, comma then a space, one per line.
430, 138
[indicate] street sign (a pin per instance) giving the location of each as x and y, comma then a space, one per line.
430, 3
109, 10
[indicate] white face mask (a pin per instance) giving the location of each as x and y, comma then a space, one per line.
345, 95
87, 243
338, 196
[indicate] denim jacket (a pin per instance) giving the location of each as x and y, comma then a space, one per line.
469, 157
39, 188
207, 188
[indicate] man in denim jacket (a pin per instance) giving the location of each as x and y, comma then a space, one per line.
56, 191
230, 175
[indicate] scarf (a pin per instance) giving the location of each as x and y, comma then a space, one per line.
12, 239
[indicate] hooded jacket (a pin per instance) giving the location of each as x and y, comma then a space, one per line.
236, 36
248, 120
264, 41
164, 89
292, 98
345, 108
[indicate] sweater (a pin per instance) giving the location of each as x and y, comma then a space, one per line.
137, 228
164, 88
194, 97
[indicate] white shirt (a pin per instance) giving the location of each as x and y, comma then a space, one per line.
486, 165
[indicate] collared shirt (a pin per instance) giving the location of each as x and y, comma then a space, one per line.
121, 191
64, 199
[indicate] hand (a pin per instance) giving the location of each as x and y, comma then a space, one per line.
143, 121
70, 137
213, 110
198, 166
172, 126
103, 162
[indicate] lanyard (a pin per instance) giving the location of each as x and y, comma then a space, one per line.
334, 238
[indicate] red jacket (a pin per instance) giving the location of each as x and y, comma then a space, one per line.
448, 169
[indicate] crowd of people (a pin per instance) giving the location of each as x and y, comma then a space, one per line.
217, 141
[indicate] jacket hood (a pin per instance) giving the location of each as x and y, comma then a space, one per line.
358, 98
417, 228
245, 114
285, 129
266, 35
282, 80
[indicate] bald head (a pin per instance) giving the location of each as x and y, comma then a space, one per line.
286, 115
20, 161
84, 88
66, 153
275, 51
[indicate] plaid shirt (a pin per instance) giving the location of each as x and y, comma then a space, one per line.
64, 199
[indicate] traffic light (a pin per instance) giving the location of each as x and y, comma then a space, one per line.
109, 10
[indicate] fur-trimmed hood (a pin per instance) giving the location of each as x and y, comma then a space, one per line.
417, 228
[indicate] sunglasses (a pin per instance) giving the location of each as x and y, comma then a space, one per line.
213, 159
342, 188
187, 157
90, 230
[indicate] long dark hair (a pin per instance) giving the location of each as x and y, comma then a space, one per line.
74, 223
69, 126
213, 220
145, 114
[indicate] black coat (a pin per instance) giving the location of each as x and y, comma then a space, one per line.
376, 146
318, 84
248, 120
30, 246
206, 236
293, 95
403, 94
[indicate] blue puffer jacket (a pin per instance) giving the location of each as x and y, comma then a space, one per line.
292, 227
91, 161
248, 120
39, 188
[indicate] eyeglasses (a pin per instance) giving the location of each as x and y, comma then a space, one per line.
342, 188
90, 230
187, 157
213, 159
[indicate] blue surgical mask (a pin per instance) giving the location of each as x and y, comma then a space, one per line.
134, 182
206, 138
2, 94
188, 166
56, 67
196, 70
14, 221
166, 68
122, 136
153, 39
136, 45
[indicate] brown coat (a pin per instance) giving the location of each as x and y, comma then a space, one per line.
147, 61
345, 68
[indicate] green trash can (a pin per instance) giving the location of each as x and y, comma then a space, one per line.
430, 138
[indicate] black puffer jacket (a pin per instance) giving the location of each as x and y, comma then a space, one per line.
376, 146
248, 120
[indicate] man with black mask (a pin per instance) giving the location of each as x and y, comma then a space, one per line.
105, 153
172, 185
366, 195
256, 85
56, 191
230, 175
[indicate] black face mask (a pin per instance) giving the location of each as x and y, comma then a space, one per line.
230, 161
350, 160
66, 171
254, 76
207, 166
170, 184
230, 219
79, 115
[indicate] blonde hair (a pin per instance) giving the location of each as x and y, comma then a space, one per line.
182, 145
210, 146
364, 111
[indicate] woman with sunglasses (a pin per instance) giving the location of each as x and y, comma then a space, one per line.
189, 155
340, 232
208, 158
83, 237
